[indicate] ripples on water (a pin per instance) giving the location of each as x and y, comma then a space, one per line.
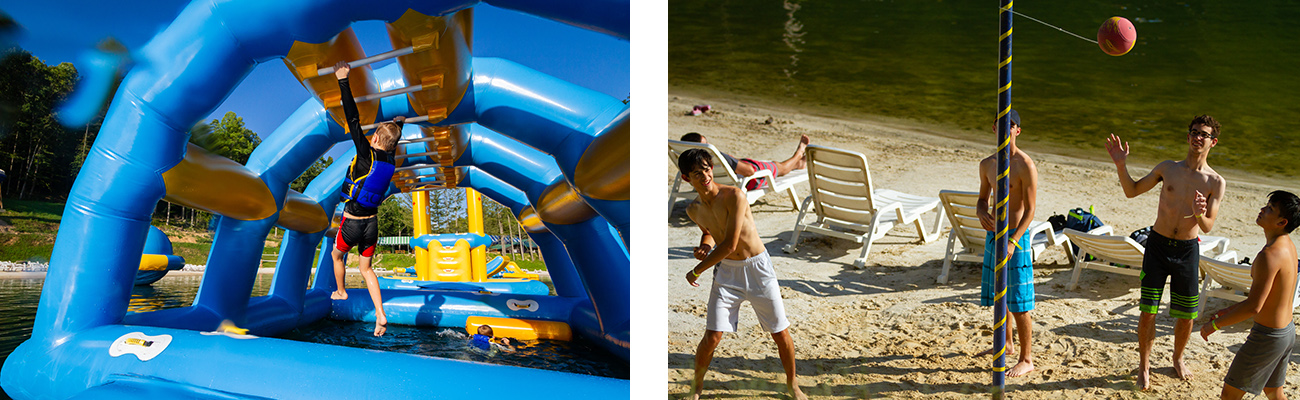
937, 62
578, 356
19, 298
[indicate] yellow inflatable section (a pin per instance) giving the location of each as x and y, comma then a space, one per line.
522, 329
451, 264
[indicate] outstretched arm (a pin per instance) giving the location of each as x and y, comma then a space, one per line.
1261, 281
1119, 154
341, 70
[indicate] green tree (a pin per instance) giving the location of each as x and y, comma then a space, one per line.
395, 217
312, 171
36, 152
227, 137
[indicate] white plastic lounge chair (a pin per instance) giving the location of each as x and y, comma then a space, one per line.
959, 206
1123, 251
848, 207
1233, 279
724, 175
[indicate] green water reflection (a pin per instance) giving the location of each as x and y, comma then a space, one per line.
936, 62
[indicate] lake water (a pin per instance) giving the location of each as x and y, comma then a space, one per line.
935, 62
18, 299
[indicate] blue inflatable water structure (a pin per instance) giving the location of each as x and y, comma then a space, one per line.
157, 259
556, 154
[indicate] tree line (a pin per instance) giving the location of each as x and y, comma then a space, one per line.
41, 157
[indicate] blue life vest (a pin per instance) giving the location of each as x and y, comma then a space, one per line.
373, 185
482, 342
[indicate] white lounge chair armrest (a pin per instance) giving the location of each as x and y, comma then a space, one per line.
1040, 226
759, 174
895, 206
1227, 256
1102, 230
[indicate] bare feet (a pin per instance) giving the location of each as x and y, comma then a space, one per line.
339, 295
799, 152
1181, 370
1144, 380
1021, 368
381, 326
794, 389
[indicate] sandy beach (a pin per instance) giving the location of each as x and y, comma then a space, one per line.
888, 330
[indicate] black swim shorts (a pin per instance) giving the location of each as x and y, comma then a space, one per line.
1177, 260
362, 233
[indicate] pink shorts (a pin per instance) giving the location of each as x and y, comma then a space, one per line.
759, 166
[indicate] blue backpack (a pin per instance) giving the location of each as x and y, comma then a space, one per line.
1078, 219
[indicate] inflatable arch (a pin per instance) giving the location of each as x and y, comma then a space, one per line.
555, 153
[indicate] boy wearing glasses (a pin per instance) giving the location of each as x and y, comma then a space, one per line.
1189, 204
744, 270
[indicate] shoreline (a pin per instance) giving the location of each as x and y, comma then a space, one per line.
953, 132
888, 330
260, 271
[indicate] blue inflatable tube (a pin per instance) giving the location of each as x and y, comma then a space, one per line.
450, 309
520, 287
564, 276
564, 125
449, 239
255, 368
595, 248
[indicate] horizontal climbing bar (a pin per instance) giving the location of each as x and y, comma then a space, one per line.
370, 60
431, 188
407, 178
394, 92
417, 166
420, 140
405, 156
408, 121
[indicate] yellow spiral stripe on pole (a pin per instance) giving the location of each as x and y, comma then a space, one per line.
1005, 34
1004, 62
1008, 7
1005, 88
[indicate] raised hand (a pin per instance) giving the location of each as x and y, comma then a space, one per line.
341, 69
1199, 204
1117, 149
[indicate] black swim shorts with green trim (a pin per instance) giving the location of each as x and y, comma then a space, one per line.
1177, 260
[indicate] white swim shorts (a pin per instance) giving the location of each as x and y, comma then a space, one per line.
752, 279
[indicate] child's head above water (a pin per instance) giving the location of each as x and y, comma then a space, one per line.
485, 330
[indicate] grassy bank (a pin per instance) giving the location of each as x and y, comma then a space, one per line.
28, 229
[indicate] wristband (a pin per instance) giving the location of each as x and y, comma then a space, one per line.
697, 275
1213, 325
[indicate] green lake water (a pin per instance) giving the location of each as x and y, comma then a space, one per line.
935, 62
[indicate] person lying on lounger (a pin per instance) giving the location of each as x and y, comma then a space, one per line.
747, 166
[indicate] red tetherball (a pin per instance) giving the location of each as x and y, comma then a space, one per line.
1116, 36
